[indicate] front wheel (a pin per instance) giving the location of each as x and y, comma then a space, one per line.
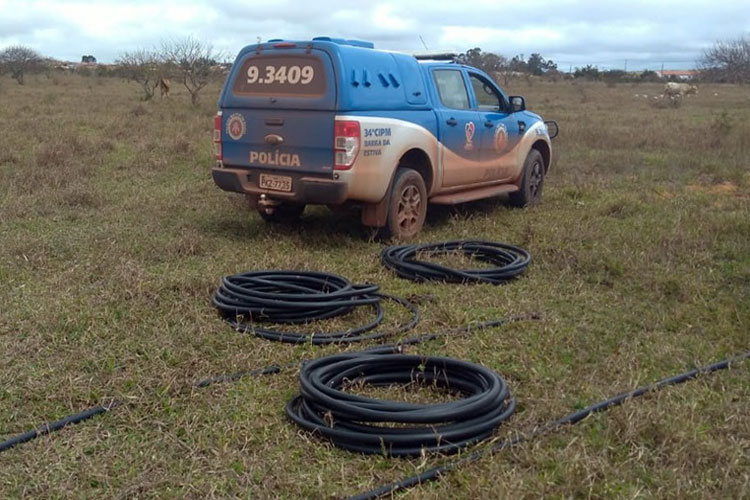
408, 205
532, 182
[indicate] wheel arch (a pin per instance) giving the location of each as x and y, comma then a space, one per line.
417, 159
545, 151
375, 214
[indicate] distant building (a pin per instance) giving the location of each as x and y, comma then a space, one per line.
677, 74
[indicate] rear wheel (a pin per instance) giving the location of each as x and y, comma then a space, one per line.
408, 205
283, 213
532, 182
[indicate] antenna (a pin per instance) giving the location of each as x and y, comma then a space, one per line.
425, 45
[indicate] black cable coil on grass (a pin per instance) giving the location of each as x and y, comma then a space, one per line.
294, 297
508, 260
356, 422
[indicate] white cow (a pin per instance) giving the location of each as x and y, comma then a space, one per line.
672, 89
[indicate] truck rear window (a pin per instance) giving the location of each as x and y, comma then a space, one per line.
297, 76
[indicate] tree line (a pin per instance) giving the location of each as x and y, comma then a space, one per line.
493, 64
193, 63
187, 61
724, 62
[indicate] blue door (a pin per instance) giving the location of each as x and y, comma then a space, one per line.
458, 128
499, 130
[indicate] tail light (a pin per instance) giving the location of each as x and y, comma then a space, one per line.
217, 136
345, 143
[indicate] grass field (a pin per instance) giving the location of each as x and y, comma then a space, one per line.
113, 237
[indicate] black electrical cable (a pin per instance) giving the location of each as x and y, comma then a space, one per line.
294, 297
56, 426
379, 349
356, 422
418, 339
571, 419
508, 261
231, 377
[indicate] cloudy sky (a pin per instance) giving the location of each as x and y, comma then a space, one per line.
573, 33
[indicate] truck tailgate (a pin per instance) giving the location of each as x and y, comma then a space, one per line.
297, 140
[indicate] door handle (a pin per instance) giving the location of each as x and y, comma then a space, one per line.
489, 124
452, 122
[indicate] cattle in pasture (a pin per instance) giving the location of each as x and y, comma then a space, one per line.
672, 89
164, 85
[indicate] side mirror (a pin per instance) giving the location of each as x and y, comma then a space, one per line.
552, 128
517, 103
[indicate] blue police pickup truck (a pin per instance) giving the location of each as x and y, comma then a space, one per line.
336, 122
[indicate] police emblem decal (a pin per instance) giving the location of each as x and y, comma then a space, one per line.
236, 126
501, 138
469, 129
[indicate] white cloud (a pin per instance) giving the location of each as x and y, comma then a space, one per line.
458, 35
386, 18
575, 31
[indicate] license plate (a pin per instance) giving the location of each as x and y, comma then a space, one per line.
276, 182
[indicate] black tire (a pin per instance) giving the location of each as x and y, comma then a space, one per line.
532, 182
408, 205
283, 214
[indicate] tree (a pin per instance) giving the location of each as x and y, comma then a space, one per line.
143, 67
727, 61
490, 63
191, 61
518, 64
537, 65
486, 61
589, 72
19, 60
615, 74
471, 57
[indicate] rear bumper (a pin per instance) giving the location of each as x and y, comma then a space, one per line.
305, 189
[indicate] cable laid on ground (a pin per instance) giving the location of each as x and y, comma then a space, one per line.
56, 426
508, 260
359, 423
294, 297
378, 349
571, 419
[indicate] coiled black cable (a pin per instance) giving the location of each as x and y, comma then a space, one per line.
356, 422
294, 297
508, 260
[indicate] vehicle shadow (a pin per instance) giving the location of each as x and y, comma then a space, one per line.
320, 227
441, 215
317, 227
